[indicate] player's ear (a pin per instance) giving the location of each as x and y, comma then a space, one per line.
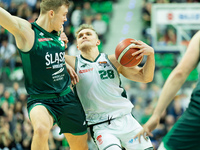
51, 13
98, 42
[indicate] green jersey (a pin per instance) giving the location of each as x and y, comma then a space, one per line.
44, 65
196, 95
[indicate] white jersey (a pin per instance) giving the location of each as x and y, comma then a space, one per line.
99, 89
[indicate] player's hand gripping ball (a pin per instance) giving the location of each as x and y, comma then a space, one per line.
123, 53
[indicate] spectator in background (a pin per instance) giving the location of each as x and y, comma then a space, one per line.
88, 12
31, 3
18, 2
16, 91
36, 8
3, 35
70, 35
33, 17
6, 139
7, 97
100, 26
7, 54
24, 11
6, 3
76, 17
18, 111
12, 8
2, 89
144, 93
146, 15
73, 50
176, 110
27, 135
17, 135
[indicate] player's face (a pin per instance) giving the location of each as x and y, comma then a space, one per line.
87, 38
60, 17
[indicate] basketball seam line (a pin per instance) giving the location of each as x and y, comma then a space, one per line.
123, 52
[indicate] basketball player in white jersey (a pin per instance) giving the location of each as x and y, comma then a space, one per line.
108, 111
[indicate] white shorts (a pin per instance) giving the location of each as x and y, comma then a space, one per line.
120, 132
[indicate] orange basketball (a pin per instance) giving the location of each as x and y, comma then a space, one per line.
123, 53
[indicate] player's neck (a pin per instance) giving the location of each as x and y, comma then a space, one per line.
91, 54
44, 23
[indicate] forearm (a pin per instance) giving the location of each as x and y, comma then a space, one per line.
170, 88
148, 68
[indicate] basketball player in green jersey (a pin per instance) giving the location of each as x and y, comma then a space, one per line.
107, 108
46, 78
185, 134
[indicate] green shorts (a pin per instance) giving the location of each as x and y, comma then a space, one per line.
66, 110
185, 134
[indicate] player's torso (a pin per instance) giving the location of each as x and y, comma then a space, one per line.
44, 65
99, 89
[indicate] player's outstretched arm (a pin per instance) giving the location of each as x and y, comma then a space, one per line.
9, 22
174, 83
20, 28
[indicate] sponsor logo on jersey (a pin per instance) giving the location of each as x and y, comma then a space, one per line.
54, 59
103, 64
84, 65
99, 139
45, 39
86, 70
41, 34
59, 71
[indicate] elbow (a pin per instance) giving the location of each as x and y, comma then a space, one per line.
179, 73
148, 80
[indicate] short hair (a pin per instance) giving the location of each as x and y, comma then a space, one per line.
85, 26
54, 5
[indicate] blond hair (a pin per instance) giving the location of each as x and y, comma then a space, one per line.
54, 5
85, 26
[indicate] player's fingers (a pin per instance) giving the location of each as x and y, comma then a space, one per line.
144, 136
139, 138
136, 46
149, 133
65, 45
72, 81
141, 42
76, 78
133, 41
141, 55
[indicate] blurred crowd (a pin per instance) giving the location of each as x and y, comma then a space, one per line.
15, 127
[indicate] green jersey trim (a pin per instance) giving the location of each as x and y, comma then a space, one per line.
90, 60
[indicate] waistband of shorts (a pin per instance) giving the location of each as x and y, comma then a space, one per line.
49, 96
108, 120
